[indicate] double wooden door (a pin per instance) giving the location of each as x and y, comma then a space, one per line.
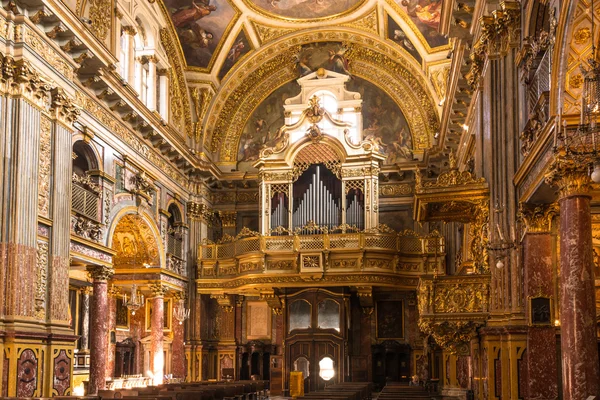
307, 355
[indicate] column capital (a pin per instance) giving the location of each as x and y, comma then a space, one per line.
150, 58
114, 291
100, 273
129, 30
538, 217
62, 107
158, 289
570, 176
228, 218
177, 295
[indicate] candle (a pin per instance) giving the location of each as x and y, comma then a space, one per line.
499, 232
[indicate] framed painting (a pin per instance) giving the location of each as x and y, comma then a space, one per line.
390, 319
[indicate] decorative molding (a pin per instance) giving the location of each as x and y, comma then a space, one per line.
538, 217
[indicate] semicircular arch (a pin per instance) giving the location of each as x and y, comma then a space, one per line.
136, 238
273, 66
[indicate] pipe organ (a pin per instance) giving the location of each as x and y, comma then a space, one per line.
319, 171
317, 198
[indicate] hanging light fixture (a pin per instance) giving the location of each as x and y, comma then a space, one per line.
180, 312
135, 301
581, 145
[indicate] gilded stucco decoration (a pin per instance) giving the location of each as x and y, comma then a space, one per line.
274, 66
451, 308
135, 243
458, 196
41, 279
201, 97
267, 33
579, 51
44, 167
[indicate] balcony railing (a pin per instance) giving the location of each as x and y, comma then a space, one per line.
85, 202
389, 251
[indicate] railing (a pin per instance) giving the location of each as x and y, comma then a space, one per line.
540, 82
175, 246
405, 244
85, 202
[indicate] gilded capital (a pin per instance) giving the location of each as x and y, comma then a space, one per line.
114, 291
228, 218
538, 217
158, 289
62, 107
569, 176
177, 295
100, 273
129, 30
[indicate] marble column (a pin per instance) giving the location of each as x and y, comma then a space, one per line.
84, 344
178, 364
579, 348
114, 292
99, 320
542, 363
157, 323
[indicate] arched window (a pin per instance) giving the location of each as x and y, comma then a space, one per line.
300, 315
328, 315
174, 233
85, 192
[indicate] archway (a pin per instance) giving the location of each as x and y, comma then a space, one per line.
139, 253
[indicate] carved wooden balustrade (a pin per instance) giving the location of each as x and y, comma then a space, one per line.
380, 256
451, 308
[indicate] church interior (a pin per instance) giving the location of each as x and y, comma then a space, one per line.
310, 199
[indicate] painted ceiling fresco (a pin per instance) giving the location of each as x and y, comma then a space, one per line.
201, 26
241, 46
383, 121
398, 36
305, 9
425, 14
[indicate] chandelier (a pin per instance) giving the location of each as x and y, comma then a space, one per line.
135, 301
180, 312
581, 145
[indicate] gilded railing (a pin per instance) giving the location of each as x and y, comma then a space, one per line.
351, 251
451, 308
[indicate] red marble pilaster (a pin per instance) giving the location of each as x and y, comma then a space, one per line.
178, 362
112, 326
99, 332
579, 348
157, 324
541, 362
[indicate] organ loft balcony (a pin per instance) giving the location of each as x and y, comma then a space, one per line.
341, 256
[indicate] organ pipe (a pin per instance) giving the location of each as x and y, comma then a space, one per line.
318, 202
